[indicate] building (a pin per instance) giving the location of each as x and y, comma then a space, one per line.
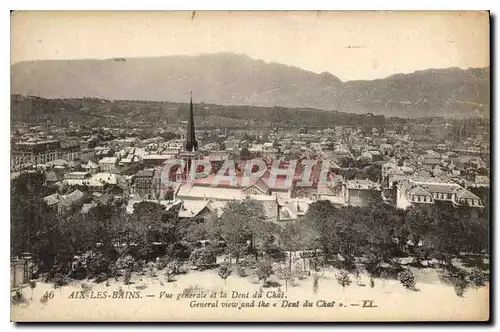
26, 154
91, 167
153, 160
142, 184
70, 150
360, 192
108, 165
413, 192
219, 155
78, 176
52, 178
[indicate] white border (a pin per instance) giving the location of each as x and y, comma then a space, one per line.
253, 5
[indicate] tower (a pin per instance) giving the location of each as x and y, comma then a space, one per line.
190, 151
191, 143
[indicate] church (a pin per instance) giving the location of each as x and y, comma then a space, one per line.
200, 193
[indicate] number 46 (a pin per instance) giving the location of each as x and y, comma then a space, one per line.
48, 295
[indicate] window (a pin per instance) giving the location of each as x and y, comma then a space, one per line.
419, 198
449, 196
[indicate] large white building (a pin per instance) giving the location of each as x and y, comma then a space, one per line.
412, 192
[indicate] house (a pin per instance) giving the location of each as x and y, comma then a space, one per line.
386, 149
52, 201
142, 184
108, 165
482, 181
77, 179
52, 178
70, 150
67, 202
102, 181
197, 209
373, 155
91, 167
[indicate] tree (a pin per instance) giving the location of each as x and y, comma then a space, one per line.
245, 154
196, 230
407, 279
241, 223
203, 258
316, 278
454, 231
173, 268
30, 214
460, 286
224, 271
343, 278
151, 223
295, 236
287, 274
319, 218
374, 172
264, 270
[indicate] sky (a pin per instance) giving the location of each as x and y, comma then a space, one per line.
349, 45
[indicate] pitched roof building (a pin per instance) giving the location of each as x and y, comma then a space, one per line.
412, 192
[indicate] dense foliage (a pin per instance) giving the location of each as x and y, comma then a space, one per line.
106, 239
380, 232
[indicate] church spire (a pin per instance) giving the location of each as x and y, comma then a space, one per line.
191, 143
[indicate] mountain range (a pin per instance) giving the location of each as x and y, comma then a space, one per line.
233, 79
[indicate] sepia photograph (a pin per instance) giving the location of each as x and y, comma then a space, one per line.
250, 166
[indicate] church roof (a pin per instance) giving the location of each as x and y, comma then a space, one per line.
191, 143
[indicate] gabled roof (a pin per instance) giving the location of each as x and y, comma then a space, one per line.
108, 160
192, 208
144, 173
51, 177
105, 199
52, 199
464, 194
332, 164
446, 188
72, 197
419, 191
259, 185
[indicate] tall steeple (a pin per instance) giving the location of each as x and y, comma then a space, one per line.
191, 143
